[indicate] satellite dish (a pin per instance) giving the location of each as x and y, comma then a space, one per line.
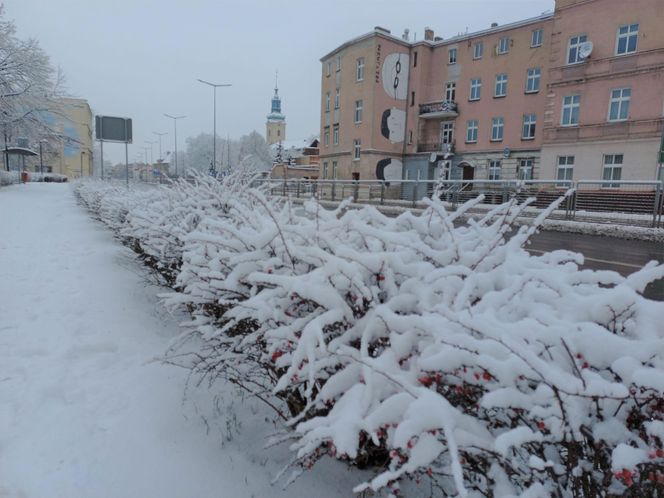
585, 50
433, 157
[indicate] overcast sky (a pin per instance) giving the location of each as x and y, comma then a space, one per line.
141, 58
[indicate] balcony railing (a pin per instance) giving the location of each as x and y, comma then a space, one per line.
435, 146
441, 109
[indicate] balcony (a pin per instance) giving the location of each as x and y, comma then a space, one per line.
439, 110
435, 146
642, 128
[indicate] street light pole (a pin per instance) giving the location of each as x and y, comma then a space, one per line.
214, 135
41, 159
160, 135
175, 130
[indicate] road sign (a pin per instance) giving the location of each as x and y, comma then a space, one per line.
113, 129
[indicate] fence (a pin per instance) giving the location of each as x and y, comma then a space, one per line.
623, 202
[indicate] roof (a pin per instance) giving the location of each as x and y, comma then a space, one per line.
383, 33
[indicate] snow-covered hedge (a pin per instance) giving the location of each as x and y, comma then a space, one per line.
8, 177
422, 348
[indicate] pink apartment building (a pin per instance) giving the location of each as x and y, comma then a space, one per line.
531, 99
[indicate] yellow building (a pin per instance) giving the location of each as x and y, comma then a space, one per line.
275, 127
73, 121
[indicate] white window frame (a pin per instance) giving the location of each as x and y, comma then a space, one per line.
338, 63
565, 165
337, 99
475, 87
447, 132
497, 129
472, 131
526, 168
359, 69
325, 170
334, 170
450, 91
612, 166
329, 68
495, 169
357, 146
529, 127
533, 79
501, 82
627, 36
328, 99
326, 136
452, 55
503, 45
620, 102
335, 135
571, 103
573, 45
359, 108
536, 38
478, 50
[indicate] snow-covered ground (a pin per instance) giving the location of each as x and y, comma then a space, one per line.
85, 411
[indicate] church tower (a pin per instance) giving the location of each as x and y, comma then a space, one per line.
276, 121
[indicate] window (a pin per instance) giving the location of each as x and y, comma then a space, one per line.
471, 131
525, 169
529, 123
451, 55
447, 132
327, 102
475, 89
358, 111
570, 114
338, 63
412, 99
536, 38
410, 137
415, 58
573, 50
324, 170
501, 85
619, 104
497, 125
359, 70
533, 80
612, 169
478, 50
336, 99
450, 92
565, 170
335, 135
326, 136
356, 150
503, 45
329, 68
628, 36
334, 170
494, 169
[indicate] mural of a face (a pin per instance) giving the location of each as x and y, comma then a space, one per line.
389, 170
393, 125
395, 75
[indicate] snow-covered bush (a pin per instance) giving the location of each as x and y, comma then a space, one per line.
417, 346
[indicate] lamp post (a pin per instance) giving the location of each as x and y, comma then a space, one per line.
41, 157
82, 153
160, 135
175, 130
214, 134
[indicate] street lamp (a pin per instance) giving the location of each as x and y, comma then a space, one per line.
160, 135
41, 158
175, 129
151, 144
214, 135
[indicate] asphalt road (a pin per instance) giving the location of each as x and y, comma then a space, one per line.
605, 253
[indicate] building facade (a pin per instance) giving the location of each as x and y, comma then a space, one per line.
73, 122
531, 99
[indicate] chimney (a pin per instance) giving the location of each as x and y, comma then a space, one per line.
382, 30
438, 38
494, 24
406, 33
428, 34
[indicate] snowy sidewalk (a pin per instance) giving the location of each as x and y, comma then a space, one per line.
83, 410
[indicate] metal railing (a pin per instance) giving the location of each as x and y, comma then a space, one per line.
596, 201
